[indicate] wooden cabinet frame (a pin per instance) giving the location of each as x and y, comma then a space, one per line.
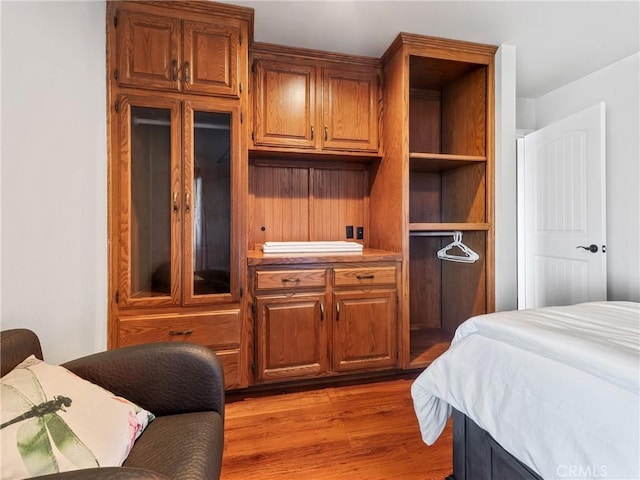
323, 156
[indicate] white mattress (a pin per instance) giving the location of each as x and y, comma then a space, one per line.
557, 387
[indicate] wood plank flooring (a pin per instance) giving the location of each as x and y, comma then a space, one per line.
353, 432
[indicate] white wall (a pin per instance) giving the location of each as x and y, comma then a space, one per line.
54, 174
525, 113
505, 179
618, 85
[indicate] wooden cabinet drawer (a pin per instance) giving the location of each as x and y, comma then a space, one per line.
280, 279
216, 330
343, 277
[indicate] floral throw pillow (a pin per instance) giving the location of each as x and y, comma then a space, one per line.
54, 421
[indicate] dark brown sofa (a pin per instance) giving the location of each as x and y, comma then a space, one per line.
181, 383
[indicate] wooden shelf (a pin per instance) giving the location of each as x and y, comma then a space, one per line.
436, 227
440, 162
257, 257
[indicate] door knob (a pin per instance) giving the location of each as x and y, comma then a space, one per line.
593, 248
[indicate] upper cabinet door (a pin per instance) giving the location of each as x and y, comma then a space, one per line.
211, 52
211, 183
168, 53
350, 110
148, 50
285, 104
148, 212
315, 104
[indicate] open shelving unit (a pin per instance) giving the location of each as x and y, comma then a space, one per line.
448, 191
440, 104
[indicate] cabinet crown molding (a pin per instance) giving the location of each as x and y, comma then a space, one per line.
264, 50
439, 47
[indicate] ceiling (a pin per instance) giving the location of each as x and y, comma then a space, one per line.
556, 41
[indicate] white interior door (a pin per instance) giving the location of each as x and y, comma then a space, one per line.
564, 211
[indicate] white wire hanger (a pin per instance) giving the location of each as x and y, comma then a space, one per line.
469, 256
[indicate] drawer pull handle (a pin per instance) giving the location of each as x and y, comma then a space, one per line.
290, 280
187, 72
180, 332
365, 277
174, 68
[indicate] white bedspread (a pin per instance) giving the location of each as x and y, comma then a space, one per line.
557, 387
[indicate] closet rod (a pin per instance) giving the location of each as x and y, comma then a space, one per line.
434, 234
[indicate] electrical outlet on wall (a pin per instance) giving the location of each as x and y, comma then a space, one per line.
360, 233
349, 231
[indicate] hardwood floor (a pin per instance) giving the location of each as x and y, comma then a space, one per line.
353, 432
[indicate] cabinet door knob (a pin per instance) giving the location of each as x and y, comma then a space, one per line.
321, 312
187, 202
326, 133
337, 311
312, 133
175, 202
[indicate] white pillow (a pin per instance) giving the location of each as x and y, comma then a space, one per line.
54, 421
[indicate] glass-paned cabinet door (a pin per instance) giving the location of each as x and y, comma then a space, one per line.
149, 203
210, 254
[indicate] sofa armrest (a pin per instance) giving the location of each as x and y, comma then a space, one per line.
15, 346
106, 473
164, 378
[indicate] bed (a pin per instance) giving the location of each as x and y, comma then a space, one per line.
542, 393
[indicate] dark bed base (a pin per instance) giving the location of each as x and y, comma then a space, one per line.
477, 456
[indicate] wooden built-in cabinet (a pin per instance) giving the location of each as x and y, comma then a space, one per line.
218, 145
303, 100
323, 319
178, 176
187, 52
178, 185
